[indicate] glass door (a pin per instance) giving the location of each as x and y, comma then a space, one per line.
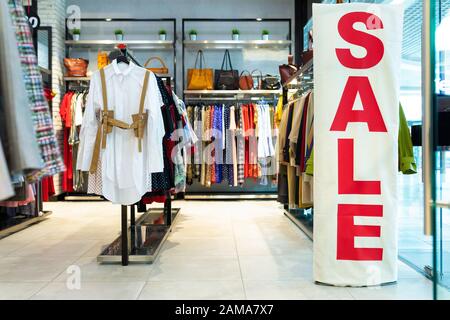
439, 204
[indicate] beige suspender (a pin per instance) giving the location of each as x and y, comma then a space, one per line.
140, 119
108, 121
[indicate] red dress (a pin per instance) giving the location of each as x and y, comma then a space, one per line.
66, 116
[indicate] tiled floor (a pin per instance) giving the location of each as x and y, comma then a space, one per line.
217, 250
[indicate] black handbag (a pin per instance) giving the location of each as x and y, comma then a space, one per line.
226, 79
270, 82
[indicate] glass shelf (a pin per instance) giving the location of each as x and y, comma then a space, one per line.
132, 44
237, 44
231, 92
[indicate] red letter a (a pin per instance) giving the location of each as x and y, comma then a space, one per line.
371, 113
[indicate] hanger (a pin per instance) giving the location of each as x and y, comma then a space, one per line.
123, 59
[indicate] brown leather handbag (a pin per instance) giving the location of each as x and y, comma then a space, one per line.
76, 67
245, 80
160, 70
287, 70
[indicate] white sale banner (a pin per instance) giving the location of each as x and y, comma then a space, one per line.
357, 57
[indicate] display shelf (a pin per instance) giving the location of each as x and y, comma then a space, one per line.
231, 92
77, 78
68, 79
132, 44
237, 44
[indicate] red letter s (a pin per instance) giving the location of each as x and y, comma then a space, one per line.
373, 45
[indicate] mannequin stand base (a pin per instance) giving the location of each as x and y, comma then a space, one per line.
145, 239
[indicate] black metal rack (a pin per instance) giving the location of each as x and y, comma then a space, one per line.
83, 82
142, 240
145, 44
230, 44
252, 189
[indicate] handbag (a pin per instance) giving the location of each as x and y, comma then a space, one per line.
160, 70
76, 67
200, 79
270, 82
287, 70
257, 79
226, 79
245, 81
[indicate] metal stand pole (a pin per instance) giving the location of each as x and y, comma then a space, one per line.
124, 236
168, 209
133, 227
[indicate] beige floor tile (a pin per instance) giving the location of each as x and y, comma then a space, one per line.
214, 247
91, 291
199, 247
55, 248
287, 267
17, 269
19, 290
91, 271
293, 290
182, 230
248, 247
193, 290
195, 268
7, 246
267, 232
404, 289
98, 248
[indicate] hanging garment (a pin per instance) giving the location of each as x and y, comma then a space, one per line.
42, 119
128, 157
19, 138
232, 129
295, 129
48, 188
198, 147
6, 189
66, 117
29, 199
228, 173
407, 163
301, 145
190, 165
218, 143
240, 137
265, 143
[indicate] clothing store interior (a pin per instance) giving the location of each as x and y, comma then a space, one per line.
166, 150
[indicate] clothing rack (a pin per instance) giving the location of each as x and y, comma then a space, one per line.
302, 218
